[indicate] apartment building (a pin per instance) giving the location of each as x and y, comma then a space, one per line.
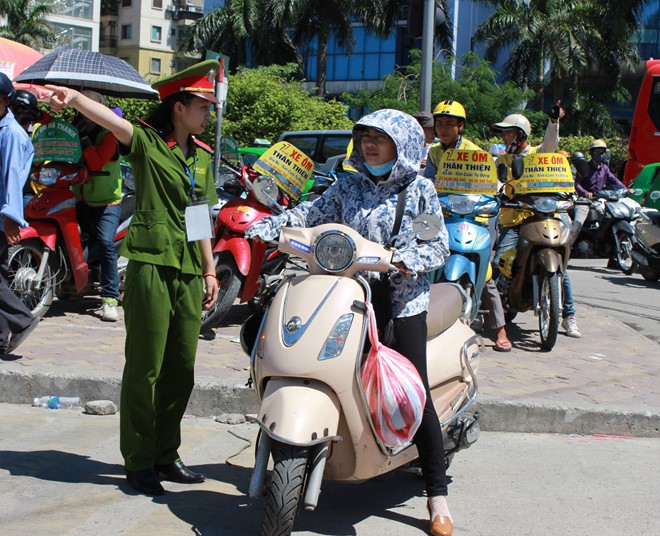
147, 33
76, 24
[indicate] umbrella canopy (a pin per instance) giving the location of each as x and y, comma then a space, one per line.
83, 69
15, 57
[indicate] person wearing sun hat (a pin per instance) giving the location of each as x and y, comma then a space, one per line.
171, 272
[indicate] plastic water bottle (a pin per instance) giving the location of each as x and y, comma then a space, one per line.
57, 402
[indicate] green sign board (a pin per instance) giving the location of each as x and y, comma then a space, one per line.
58, 141
229, 149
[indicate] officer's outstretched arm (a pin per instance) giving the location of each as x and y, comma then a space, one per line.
97, 112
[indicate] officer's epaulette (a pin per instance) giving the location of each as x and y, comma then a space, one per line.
203, 145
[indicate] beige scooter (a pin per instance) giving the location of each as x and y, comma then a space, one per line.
306, 365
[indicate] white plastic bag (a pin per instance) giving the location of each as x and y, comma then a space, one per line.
394, 390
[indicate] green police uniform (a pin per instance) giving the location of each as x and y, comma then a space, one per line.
163, 297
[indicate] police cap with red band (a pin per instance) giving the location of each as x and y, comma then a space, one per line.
198, 80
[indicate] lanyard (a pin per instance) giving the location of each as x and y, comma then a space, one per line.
191, 175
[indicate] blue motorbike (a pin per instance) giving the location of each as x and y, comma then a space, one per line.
469, 243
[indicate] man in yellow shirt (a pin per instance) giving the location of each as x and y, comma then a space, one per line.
515, 130
449, 121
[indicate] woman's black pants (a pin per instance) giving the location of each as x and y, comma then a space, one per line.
410, 334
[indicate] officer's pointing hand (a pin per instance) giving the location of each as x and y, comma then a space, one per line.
61, 97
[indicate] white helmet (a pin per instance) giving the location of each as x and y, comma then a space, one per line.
514, 121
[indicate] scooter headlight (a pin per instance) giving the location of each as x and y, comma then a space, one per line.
48, 176
334, 251
463, 204
265, 190
546, 204
334, 344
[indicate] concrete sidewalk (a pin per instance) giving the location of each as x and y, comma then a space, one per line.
605, 382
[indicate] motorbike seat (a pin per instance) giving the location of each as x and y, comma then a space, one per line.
445, 307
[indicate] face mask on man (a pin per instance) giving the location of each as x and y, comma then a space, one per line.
598, 157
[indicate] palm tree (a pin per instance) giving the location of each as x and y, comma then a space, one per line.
322, 18
243, 31
26, 22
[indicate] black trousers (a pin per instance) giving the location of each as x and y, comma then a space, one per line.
410, 333
14, 314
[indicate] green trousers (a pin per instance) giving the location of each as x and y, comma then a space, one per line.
162, 312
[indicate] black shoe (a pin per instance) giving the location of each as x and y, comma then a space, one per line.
18, 337
178, 472
145, 481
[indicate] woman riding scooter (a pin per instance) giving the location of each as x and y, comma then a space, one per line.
387, 151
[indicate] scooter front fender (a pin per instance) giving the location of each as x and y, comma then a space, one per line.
623, 225
457, 265
239, 247
300, 412
550, 260
43, 230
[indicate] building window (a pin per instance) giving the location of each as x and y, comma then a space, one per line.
157, 4
126, 3
155, 65
156, 32
78, 9
126, 31
72, 36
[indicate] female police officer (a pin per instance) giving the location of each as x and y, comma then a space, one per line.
170, 257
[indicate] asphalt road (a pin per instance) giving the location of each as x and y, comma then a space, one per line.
629, 298
61, 473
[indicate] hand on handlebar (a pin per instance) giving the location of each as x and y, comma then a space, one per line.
399, 266
590, 196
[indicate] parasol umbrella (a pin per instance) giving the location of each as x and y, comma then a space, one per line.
15, 57
83, 69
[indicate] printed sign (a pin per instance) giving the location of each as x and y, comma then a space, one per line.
229, 149
57, 141
466, 172
545, 173
289, 166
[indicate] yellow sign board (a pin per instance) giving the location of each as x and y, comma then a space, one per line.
289, 166
466, 172
545, 173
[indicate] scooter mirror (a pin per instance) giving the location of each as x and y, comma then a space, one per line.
426, 226
517, 168
581, 166
502, 172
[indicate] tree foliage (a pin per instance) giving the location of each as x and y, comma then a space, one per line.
26, 22
266, 101
486, 101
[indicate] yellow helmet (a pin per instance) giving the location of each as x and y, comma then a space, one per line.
598, 144
451, 108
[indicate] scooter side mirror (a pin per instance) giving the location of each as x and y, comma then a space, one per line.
517, 168
426, 226
502, 172
581, 166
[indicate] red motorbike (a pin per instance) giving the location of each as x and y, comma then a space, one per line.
53, 257
245, 269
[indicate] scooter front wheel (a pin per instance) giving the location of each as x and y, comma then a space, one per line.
229, 285
624, 254
549, 311
24, 260
648, 274
285, 490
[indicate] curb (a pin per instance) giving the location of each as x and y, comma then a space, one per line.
211, 398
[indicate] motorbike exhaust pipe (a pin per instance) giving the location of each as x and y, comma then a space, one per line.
260, 465
315, 477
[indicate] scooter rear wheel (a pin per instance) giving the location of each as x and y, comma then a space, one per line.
24, 260
550, 308
285, 490
229, 285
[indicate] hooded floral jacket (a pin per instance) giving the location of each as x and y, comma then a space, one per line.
369, 207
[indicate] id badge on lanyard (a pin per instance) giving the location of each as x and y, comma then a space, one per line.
198, 213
